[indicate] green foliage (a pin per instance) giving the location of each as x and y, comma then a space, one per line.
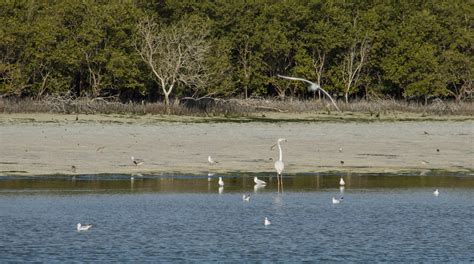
418, 50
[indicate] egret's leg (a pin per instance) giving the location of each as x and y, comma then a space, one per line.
281, 182
278, 182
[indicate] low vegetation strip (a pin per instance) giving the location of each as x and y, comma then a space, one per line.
212, 107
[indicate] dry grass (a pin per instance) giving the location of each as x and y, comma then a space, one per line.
231, 107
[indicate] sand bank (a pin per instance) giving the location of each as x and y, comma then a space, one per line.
37, 144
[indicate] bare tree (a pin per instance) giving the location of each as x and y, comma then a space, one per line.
318, 65
175, 54
95, 75
244, 60
354, 60
284, 62
44, 71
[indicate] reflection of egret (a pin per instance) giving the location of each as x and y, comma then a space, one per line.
277, 200
259, 182
211, 161
341, 189
436, 192
267, 222
83, 227
341, 182
279, 165
221, 189
313, 87
246, 197
221, 182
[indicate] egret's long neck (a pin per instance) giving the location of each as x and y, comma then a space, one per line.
281, 153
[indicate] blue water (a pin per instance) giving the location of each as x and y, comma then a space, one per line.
189, 221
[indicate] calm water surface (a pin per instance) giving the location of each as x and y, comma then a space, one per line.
165, 218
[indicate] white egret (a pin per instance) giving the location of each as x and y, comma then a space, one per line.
279, 165
267, 222
259, 182
221, 182
211, 161
436, 192
137, 162
313, 87
341, 182
246, 197
83, 227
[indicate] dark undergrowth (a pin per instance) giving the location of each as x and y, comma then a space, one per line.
230, 107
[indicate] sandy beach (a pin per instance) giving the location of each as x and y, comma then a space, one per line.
43, 144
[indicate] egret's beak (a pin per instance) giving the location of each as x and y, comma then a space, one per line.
272, 147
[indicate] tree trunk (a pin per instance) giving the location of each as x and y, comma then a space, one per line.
346, 95
167, 103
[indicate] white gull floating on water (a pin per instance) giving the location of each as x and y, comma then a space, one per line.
83, 227
436, 192
267, 222
246, 197
336, 201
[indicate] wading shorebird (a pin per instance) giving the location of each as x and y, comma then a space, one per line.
209, 176
221, 182
259, 182
341, 182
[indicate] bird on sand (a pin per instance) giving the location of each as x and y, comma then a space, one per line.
137, 162
211, 161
